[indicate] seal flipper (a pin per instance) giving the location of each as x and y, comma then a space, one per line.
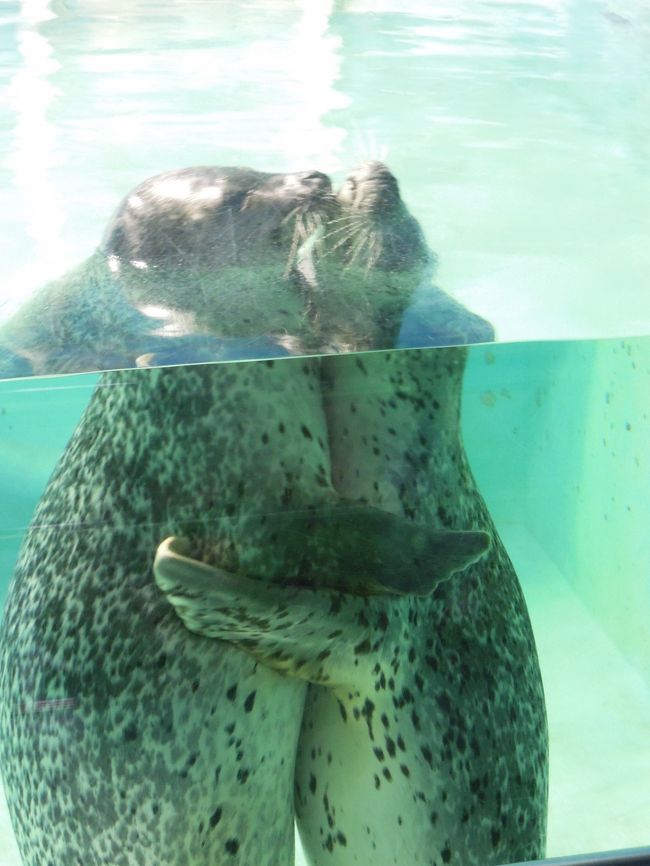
302, 632
305, 633
354, 547
366, 550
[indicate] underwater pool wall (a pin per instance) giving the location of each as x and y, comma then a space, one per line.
567, 428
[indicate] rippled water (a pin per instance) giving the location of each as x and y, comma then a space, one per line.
519, 132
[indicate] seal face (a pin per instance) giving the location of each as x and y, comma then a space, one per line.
234, 253
379, 232
361, 274
215, 217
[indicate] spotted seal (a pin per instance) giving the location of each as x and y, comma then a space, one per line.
428, 742
215, 263
122, 737
191, 258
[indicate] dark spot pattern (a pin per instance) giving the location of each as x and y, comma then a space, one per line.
447, 666
441, 693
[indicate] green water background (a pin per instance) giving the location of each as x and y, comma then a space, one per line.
519, 134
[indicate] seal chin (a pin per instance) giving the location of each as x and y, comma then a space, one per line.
377, 231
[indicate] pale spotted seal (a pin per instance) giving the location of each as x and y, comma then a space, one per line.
123, 739
106, 675
427, 743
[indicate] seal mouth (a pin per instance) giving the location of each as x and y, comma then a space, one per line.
375, 228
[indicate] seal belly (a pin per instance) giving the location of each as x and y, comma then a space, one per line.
123, 738
441, 755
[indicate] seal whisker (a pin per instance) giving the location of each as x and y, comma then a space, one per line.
376, 247
356, 251
348, 228
349, 236
300, 234
348, 218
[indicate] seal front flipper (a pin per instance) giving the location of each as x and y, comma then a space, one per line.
319, 635
362, 549
311, 634
358, 548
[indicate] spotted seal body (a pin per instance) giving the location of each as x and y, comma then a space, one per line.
123, 738
427, 743
447, 726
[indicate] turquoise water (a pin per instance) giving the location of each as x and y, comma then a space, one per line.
519, 135
518, 132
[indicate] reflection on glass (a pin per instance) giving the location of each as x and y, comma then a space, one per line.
259, 590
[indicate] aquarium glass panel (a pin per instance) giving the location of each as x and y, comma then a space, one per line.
324, 432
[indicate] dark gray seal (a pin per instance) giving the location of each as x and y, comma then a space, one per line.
192, 258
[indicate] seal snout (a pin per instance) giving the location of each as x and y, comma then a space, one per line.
377, 231
370, 188
308, 185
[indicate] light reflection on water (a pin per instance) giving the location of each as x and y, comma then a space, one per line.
519, 132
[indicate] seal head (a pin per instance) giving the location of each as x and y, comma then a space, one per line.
216, 217
380, 232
